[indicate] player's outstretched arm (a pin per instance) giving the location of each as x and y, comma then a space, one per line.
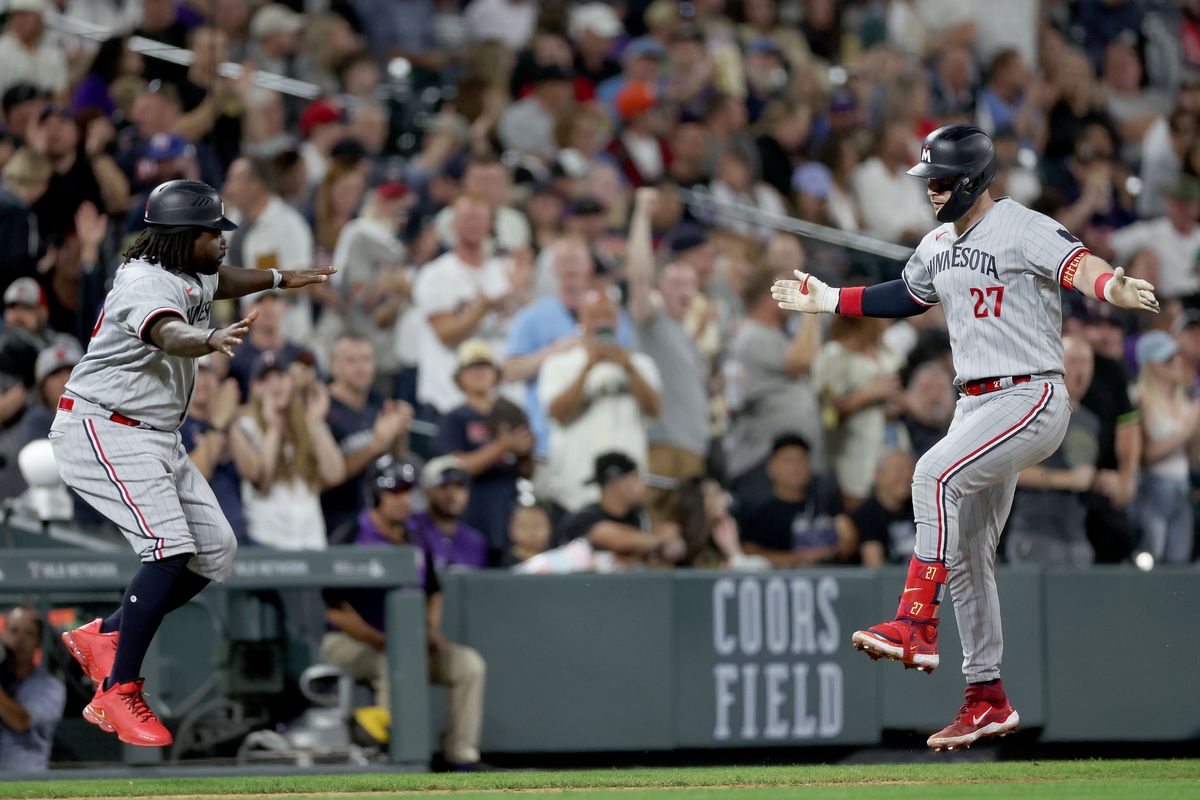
1095, 278
811, 295
239, 282
175, 337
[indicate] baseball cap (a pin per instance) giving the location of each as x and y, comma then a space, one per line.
634, 99
813, 178
267, 360
595, 18
20, 93
644, 47
1186, 320
685, 236
444, 470
24, 292
63, 354
585, 206
610, 467
392, 475
166, 146
1155, 347
393, 190
349, 151
789, 440
317, 113
275, 18
475, 351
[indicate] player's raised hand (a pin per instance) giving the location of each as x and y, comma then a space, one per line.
223, 340
807, 293
304, 277
1132, 293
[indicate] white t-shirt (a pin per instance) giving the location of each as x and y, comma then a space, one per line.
288, 516
509, 232
890, 202
610, 420
1177, 253
45, 66
281, 239
448, 284
510, 23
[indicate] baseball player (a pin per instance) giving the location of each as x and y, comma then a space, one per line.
995, 267
116, 439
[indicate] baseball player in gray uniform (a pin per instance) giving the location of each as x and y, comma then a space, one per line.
996, 268
116, 439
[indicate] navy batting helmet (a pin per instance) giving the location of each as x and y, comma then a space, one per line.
963, 152
391, 475
182, 205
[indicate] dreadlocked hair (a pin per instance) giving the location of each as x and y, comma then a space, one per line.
172, 251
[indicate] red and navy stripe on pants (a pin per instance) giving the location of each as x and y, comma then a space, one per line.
139, 519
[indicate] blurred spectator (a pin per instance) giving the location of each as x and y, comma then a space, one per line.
74, 284
784, 129
25, 335
642, 61
24, 180
270, 235
275, 39
796, 525
766, 74
712, 311
53, 367
527, 126
1047, 525
31, 699
1003, 103
266, 336
551, 325
1133, 107
492, 440
328, 38
207, 438
855, 376
883, 526
927, 405
166, 157
594, 28
1076, 107
1164, 148
529, 533
459, 296
617, 522
291, 456
679, 439
83, 170
336, 202
356, 642
892, 204
1174, 238
953, 82
599, 398
639, 148
1108, 524
1163, 508
364, 427
769, 381
322, 125
440, 530
26, 54
709, 531
113, 59
508, 21
735, 184
508, 230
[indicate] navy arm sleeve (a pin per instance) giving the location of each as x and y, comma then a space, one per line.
889, 300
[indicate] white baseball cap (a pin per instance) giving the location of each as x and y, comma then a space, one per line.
275, 18
596, 18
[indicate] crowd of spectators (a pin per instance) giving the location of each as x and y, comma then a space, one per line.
540, 305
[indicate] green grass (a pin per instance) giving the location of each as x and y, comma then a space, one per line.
1028, 780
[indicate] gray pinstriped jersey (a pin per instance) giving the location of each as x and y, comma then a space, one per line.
122, 370
998, 284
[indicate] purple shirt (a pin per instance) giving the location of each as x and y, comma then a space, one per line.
466, 547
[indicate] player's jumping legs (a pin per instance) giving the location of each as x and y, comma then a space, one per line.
991, 439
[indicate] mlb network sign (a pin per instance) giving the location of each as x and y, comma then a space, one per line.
766, 660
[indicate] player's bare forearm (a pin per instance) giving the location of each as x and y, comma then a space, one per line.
175, 337
1097, 279
235, 282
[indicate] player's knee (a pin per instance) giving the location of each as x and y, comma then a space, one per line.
471, 666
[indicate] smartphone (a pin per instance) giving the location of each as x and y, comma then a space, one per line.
606, 334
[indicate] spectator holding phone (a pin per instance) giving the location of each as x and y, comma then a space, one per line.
599, 397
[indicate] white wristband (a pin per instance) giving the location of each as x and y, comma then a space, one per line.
276, 278
1108, 287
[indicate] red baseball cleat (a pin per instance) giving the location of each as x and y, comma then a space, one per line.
912, 643
122, 710
986, 712
93, 650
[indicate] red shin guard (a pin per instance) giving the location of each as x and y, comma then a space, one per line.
922, 590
